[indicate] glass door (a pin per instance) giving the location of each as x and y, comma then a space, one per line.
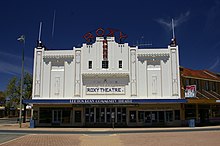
147, 118
108, 115
78, 116
89, 115
57, 116
161, 116
102, 115
169, 116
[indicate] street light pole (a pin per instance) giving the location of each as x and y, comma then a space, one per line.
22, 40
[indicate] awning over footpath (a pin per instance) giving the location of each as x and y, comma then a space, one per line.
103, 101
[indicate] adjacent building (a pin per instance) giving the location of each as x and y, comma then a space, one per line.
203, 101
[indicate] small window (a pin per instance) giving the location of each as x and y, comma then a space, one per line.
213, 86
197, 84
120, 64
105, 64
207, 86
186, 82
90, 64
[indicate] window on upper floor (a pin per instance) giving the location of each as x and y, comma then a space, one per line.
105, 64
207, 85
120, 64
90, 64
197, 83
186, 82
213, 86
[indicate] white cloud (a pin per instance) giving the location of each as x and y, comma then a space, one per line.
11, 64
8, 55
9, 68
177, 21
215, 64
212, 15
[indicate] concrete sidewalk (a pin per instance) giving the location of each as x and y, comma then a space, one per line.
25, 128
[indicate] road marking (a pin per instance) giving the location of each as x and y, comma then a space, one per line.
97, 134
13, 140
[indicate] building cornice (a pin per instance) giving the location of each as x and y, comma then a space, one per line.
58, 56
105, 74
153, 54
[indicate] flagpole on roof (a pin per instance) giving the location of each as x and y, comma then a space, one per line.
173, 29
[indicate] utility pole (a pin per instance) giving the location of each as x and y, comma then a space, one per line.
22, 40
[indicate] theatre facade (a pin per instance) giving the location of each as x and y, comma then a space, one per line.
106, 83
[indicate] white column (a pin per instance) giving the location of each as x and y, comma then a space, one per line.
174, 71
46, 79
133, 73
78, 73
37, 74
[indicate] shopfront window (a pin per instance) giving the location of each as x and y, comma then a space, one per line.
154, 116
132, 116
161, 116
140, 116
148, 117
190, 111
169, 116
177, 114
45, 115
78, 116
216, 111
66, 116
123, 115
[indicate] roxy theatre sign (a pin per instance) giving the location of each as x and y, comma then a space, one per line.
109, 32
105, 90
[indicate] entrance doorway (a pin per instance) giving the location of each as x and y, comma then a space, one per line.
149, 118
105, 116
56, 116
78, 118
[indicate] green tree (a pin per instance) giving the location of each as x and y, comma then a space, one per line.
27, 94
12, 95
13, 90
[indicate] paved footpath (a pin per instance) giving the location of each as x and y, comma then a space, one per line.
149, 139
201, 136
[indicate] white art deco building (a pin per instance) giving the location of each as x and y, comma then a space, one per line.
106, 83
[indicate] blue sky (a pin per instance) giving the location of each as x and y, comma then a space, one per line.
197, 28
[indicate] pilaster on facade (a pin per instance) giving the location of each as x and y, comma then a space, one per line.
175, 70
77, 72
37, 73
133, 75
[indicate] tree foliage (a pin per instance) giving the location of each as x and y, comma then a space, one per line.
13, 90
